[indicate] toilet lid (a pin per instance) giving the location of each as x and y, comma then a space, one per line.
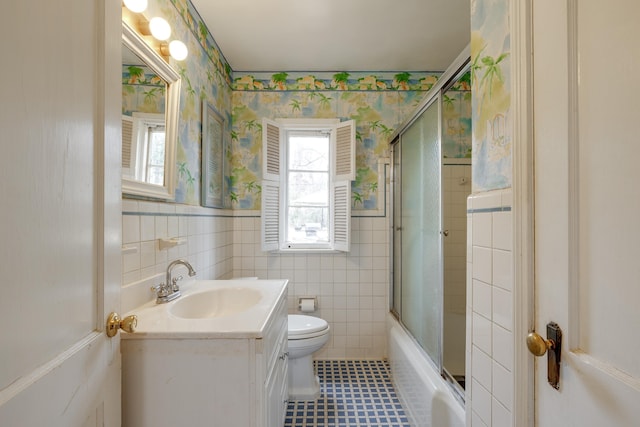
302, 325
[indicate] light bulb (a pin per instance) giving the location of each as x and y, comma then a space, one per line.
160, 29
178, 50
136, 6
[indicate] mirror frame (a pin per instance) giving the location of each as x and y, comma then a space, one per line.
138, 45
208, 197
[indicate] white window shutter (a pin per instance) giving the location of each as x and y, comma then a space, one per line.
271, 194
128, 148
271, 150
270, 215
345, 152
341, 215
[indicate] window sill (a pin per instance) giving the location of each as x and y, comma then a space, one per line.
308, 251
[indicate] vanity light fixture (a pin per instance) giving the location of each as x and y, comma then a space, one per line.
160, 29
157, 27
136, 6
176, 49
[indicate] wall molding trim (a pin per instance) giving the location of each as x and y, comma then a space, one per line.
523, 208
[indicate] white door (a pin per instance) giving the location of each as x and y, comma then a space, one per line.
60, 220
587, 208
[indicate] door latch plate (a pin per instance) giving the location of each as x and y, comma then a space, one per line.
554, 334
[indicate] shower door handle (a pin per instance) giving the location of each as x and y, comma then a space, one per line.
445, 233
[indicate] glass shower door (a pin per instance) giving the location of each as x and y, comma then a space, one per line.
429, 269
421, 241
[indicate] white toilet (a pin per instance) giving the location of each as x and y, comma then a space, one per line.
306, 335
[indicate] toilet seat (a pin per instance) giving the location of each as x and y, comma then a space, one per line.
303, 327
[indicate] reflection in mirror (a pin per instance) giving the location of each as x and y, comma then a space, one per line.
143, 147
213, 149
150, 97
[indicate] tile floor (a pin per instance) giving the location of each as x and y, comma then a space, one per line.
353, 393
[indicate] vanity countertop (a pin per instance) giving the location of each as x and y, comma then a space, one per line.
159, 321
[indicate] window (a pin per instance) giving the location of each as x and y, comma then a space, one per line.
154, 167
143, 147
308, 166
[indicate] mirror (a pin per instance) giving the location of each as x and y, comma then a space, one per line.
150, 99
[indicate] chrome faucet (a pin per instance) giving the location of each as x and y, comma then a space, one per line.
169, 290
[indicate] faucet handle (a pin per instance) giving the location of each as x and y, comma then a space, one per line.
174, 283
161, 290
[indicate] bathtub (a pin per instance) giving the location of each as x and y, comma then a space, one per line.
427, 399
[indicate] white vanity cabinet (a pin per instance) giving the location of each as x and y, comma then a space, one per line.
273, 362
192, 379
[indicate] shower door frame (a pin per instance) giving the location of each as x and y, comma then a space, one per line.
434, 95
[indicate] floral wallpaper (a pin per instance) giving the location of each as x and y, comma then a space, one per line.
456, 120
142, 90
378, 103
491, 100
205, 76
341, 81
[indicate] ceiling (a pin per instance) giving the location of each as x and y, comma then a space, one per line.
338, 35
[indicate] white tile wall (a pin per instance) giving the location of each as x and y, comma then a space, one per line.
481, 366
482, 263
502, 346
502, 385
352, 288
501, 416
490, 310
476, 420
482, 298
481, 331
456, 187
481, 402
208, 237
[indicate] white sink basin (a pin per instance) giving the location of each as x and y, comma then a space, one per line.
215, 303
208, 309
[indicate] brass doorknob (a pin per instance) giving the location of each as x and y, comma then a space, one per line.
128, 324
537, 345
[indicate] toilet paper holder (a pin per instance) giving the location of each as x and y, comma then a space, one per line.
307, 304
